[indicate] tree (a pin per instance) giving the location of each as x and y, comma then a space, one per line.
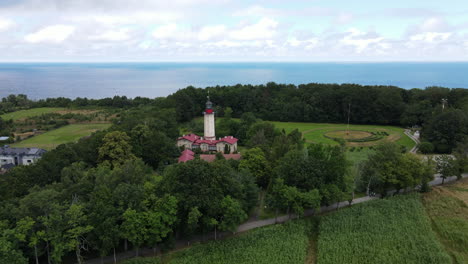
9, 253
76, 229
193, 219
426, 147
446, 166
255, 161
134, 228
446, 129
116, 148
232, 214
25, 233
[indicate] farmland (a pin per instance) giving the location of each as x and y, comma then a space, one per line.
66, 134
22, 114
282, 244
447, 207
395, 230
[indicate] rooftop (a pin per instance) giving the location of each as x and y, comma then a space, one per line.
6, 150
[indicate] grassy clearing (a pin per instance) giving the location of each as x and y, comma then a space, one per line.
282, 244
22, 114
314, 133
395, 230
447, 207
66, 134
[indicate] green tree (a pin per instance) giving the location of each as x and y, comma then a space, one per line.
232, 214
134, 228
255, 161
116, 148
76, 230
446, 166
9, 253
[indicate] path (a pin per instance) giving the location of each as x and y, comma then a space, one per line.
183, 243
416, 140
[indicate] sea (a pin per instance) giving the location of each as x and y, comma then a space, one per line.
99, 80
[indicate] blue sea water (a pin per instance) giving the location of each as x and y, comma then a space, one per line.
99, 80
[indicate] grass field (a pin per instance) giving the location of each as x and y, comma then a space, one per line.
277, 244
22, 114
447, 207
395, 230
66, 134
314, 132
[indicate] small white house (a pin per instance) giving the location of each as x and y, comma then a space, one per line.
19, 156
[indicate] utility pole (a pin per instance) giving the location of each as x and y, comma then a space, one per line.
349, 110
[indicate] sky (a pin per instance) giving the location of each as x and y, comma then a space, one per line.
233, 30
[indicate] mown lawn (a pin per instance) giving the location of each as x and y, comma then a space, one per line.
447, 207
22, 114
395, 230
66, 134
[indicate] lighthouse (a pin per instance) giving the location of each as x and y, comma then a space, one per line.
209, 121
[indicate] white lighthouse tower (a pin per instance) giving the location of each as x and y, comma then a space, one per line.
209, 121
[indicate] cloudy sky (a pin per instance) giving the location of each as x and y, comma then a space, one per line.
233, 30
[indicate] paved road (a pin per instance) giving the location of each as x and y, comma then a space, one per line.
416, 140
251, 225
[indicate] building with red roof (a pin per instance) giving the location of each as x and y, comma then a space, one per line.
208, 143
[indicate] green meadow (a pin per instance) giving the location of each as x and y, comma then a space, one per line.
22, 114
66, 134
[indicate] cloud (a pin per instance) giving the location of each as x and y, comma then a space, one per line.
5, 24
306, 44
51, 34
166, 32
361, 40
257, 11
210, 32
113, 35
431, 37
264, 29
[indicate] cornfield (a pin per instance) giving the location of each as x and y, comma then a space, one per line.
395, 230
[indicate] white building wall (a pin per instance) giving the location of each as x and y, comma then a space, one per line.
6, 160
209, 127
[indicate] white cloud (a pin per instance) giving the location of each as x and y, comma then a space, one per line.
264, 29
113, 35
51, 34
166, 32
360, 40
5, 24
431, 37
306, 44
210, 32
434, 24
256, 11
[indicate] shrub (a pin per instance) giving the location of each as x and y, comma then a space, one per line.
426, 147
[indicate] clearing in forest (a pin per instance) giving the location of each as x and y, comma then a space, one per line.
66, 134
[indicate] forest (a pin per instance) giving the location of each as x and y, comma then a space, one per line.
121, 188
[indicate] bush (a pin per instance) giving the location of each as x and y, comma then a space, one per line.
426, 147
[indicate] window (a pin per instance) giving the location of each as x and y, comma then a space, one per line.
29, 161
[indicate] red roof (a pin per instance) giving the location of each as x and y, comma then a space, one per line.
189, 137
209, 111
186, 155
198, 140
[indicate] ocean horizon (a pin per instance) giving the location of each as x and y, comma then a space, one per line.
40, 80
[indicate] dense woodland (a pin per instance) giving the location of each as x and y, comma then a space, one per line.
122, 188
